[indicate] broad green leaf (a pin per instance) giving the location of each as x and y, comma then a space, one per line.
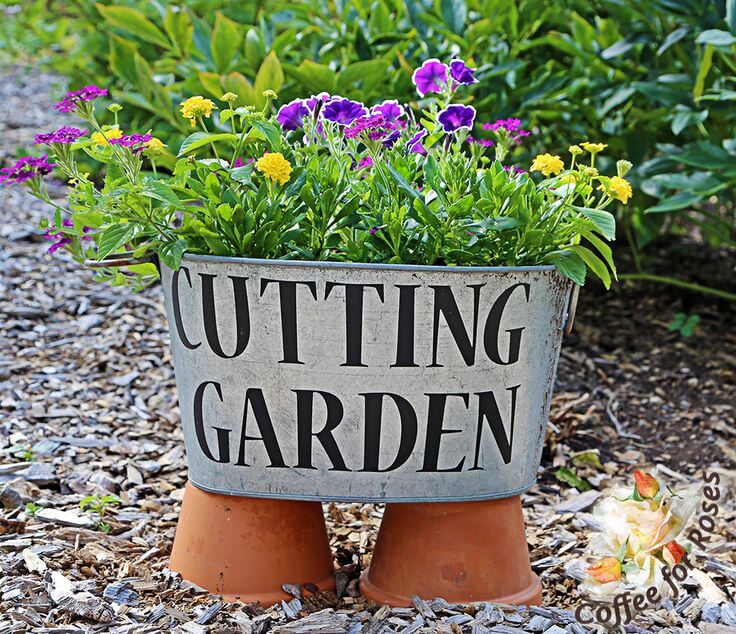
716, 37
171, 252
594, 263
113, 238
270, 76
122, 58
226, 42
134, 22
569, 264
271, 132
178, 26
455, 14
603, 220
705, 63
237, 83
675, 203
159, 190
200, 139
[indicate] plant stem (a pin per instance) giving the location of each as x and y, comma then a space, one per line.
672, 281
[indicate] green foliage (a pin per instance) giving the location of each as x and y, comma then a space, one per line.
32, 509
100, 505
655, 79
684, 324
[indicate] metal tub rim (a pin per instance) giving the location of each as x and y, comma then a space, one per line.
376, 266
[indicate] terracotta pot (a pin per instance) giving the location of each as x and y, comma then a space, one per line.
460, 551
245, 548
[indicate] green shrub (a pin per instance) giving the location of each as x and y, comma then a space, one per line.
656, 76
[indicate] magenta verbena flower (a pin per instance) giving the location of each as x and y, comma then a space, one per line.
481, 142
511, 125
64, 135
374, 230
414, 145
391, 110
456, 117
513, 170
375, 126
71, 99
26, 168
461, 73
343, 111
363, 163
431, 76
133, 141
291, 115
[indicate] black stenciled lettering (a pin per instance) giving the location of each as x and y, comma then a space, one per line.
176, 306
493, 325
209, 315
405, 327
353, 319
446, 305
435, 431
223, 435
305, 433
288, 305
488, 410
254, 399
373, 423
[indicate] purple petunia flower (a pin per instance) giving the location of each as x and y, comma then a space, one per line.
291, 115
134, 141
511, 125
26, 168
513, 170
461, 73
455, 117
390, 140
414, 145
64, 135
374, 230
343, 111
315, 100
431, 76
239, 162
391, 110
71, 99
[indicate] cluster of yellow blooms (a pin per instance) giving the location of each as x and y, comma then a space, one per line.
273, 165
197, 107
550, 164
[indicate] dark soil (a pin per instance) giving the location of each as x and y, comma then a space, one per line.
676, 394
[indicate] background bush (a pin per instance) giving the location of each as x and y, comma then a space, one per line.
655, 79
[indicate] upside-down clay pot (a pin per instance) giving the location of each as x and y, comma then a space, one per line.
461, 551
246, 548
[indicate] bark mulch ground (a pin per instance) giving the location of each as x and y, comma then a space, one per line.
88, 408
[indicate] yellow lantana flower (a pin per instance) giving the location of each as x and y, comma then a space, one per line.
154, 146
196, 107
102, 139
594, 148
618, 188
273, 165
548, 164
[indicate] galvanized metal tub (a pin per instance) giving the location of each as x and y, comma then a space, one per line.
363, 382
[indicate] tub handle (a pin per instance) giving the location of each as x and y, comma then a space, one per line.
120, 259
572, 306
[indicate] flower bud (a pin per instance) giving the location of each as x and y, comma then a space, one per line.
646, 484
575, 150
114, 107
623, 167
270, 94
229, 96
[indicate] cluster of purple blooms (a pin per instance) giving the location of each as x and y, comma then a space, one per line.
25, 169
512, 127
133, 141
64, 135
71, 99
60, 239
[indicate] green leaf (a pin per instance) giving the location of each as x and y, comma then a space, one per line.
455, 14
731, 15
603, 220
716, 37
706, 62
171, 252
225, 43
568, 476
134, 22
200, 139
122, 59
159, 190
313, 77
594, 263
178, 26
271, 132
675, 203
270, 76
237, 83
569, 264
113, 238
